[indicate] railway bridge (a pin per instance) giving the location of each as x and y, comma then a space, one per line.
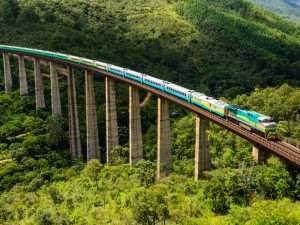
59, 66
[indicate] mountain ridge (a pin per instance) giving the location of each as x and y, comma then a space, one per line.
288, 9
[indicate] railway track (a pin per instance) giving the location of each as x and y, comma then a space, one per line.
294, 150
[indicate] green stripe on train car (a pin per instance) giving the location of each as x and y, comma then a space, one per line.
29, 51
49, 54
4, 47
61, 57
15, 49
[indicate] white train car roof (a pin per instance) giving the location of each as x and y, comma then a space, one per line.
116, 67
153, 79
74, 57
38, 51
177, 87
199, 95
87, 60
57, 53
216, 103
50, 53
101, 63
133, 73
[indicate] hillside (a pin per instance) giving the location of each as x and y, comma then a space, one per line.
219, 47
228, 48
289, 9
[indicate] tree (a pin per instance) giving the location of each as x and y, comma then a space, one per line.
149, 206
57, 135
119, 155
6, 15
33, 146
146, 172
28, 15
92, 170
9, 10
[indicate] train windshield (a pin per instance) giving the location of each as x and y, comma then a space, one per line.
268, 120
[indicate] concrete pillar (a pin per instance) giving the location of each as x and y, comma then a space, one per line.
39, 88
7, 73
74, 131
55, 96
260, 157
112, 138
92, 136
135, 129
202, 153
164, 154
22, 77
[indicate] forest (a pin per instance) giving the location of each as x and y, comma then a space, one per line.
41, 185
230, 49
223, 48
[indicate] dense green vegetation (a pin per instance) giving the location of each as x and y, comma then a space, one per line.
223, 48
289, 9
41, 185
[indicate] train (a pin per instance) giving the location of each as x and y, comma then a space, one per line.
249, 120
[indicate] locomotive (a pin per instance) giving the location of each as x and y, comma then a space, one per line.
250, 120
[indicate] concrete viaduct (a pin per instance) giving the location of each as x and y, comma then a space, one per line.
261, 147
